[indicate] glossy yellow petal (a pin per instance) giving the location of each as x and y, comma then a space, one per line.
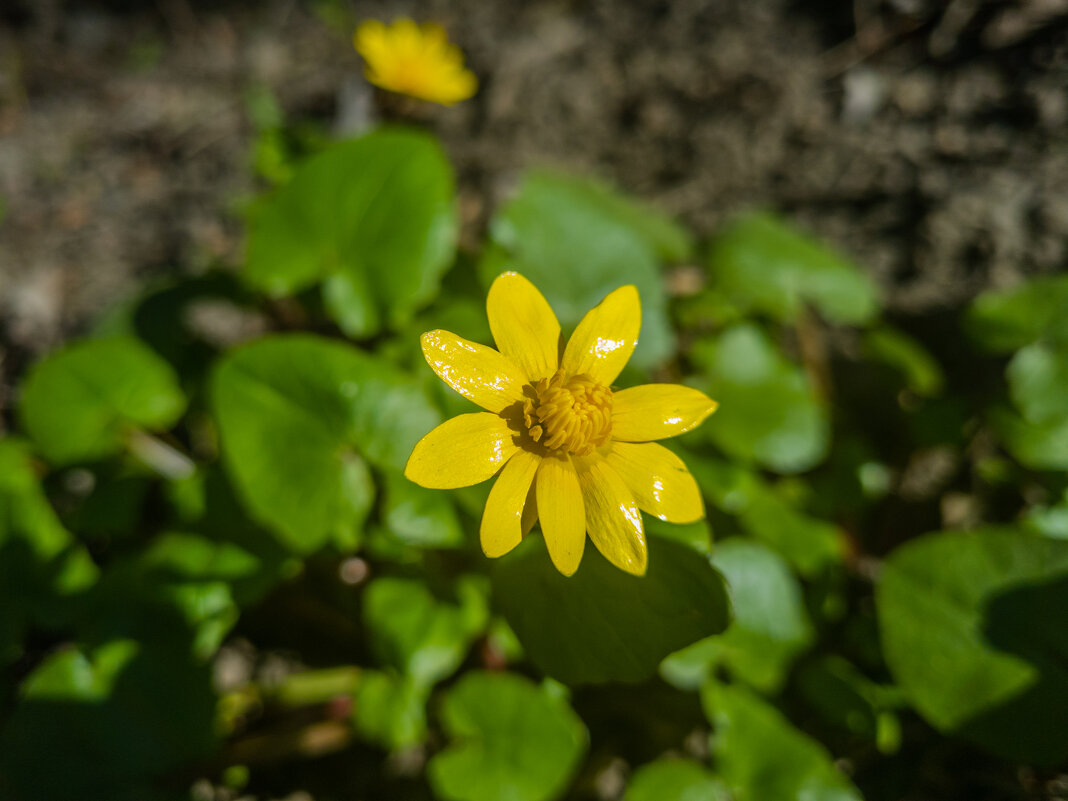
605, 339
523, 325
560, 512
502, 527
657, 411
478, 373
612, 517
658, 479
530, 510
462, 451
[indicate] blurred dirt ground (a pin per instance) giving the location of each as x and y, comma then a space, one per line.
927, 139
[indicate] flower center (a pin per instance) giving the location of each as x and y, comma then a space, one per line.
571, 414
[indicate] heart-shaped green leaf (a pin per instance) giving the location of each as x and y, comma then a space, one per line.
375, 215
298, 415
82, 402
972, 627
513, 740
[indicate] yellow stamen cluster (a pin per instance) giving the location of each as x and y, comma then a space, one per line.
569, 414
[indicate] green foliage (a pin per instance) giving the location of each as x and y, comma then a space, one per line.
300, 418
85, 401
950, 608
374, 217
213, 570
769, 413
763, 265
761, 755
513, 740
675, 780
603, 624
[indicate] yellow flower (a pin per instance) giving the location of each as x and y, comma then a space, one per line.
571, 451
413, 60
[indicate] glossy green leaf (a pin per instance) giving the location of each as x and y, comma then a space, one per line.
418, 634
1038, 382
298, 415
577, 242
770, 626
511, 740
675, 780
768, 412
602, 624
82, 402
761, 263
378, 210
972, 627
1005, 320
760, 754
42, 568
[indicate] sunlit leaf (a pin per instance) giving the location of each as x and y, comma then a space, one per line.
298, 416
768, 412
761, 263
760, 754
675, 780
377, 211
512, 740
1005, 320
82, 402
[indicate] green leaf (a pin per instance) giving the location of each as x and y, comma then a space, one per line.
923, 375
760, 754
768, 412
577, 242
602, 624
82, 402
297, 416
1038, 382
770, 626
512, 740
425, 638
1005, 320
761, 263
972, 628
378, 211
808, 543
420, 517
675, 780
1040, 446
850, 700
42, 568
390, 710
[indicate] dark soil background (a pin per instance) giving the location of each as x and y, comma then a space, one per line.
926, 139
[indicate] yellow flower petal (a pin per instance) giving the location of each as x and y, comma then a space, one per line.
612, 517
478, 373
657, 411
523, 325
560, 512
605, 339
658, 479
502, 527
462, 451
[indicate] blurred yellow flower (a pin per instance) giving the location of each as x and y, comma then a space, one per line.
571, 452
414, 60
